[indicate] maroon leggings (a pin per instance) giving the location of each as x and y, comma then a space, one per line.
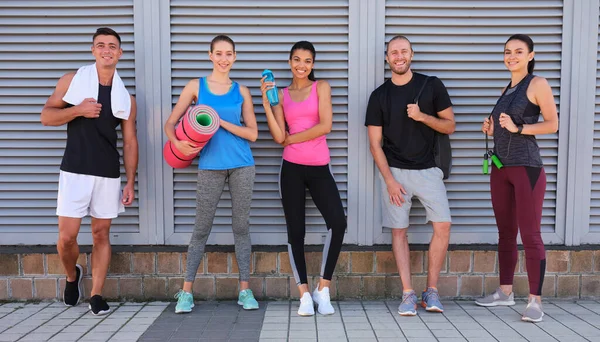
517, 198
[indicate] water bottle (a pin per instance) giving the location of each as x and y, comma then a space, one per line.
272, 93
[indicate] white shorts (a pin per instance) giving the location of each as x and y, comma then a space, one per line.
80, 194
427, 185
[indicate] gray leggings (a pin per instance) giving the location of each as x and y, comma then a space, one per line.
210, 188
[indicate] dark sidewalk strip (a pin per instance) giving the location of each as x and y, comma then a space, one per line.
223, 321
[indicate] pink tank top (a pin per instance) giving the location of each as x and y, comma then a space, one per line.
301, 116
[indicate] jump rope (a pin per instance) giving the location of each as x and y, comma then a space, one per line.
489, 154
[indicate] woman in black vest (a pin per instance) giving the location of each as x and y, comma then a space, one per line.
518, 187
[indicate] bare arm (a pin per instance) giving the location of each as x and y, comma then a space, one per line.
54, 112
375, 137
275, 117
130, 142
395, 189
541, 92
250, 129
325, 117
188, 95
130, 152
544, 99
444, 123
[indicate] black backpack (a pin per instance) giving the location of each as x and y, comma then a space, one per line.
442, 151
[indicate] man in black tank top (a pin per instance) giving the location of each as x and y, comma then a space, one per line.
90, 180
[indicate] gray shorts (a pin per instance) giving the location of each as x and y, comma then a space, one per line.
427, 185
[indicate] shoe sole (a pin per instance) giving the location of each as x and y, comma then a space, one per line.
78, 286
324, 314
185, 311
100, 313
407, 313
431, 308
306, 314
499, 303
527, 319
245, 308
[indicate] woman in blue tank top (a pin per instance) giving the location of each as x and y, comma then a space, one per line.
225, 158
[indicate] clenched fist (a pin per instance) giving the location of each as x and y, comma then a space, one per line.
89, 108
414, 112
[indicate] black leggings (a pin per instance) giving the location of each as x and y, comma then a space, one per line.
295, 178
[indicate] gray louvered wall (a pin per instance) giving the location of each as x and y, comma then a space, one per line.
461, 42
264, 32
595, 198
39, 42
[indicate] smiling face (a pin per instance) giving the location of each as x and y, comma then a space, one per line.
399, 56
301, 63
222, 55
107, 50
517, 55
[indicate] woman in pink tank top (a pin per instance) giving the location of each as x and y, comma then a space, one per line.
305, 107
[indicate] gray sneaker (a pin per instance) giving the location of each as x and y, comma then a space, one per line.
408, 307
533, 312
497, 298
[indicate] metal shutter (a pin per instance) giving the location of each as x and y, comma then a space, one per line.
595, 187
264, 32
39, 42
461, 42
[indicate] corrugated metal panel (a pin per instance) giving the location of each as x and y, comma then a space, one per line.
264, 32
39, 42
595, 199
462, 42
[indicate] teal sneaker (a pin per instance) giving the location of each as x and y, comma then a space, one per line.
246, 299
185, 302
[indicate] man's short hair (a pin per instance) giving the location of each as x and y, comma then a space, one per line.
397, 37
106, 31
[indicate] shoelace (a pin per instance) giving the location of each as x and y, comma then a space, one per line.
433, 295
409, 298
179, 294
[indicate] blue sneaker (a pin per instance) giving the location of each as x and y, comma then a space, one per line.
408, 307
185, 302
430, 300
246, 299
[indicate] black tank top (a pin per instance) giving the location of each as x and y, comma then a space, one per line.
92, 143
517, 149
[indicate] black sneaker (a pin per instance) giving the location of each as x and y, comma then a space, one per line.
73, 288
98, 306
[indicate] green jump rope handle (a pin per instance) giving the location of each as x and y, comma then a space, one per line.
496, 161
485, 164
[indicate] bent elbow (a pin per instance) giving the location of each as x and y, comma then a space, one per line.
451, 129
555, 127
44, 119
253, 137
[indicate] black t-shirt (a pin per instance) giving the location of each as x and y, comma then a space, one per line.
407, 144
92, 143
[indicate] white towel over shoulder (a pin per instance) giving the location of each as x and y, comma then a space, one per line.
85, 85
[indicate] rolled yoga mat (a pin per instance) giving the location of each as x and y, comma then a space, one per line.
197, 126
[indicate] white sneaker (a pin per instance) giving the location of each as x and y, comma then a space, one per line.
307, 307
323, 301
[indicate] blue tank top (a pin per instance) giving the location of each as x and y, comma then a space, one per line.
224, 150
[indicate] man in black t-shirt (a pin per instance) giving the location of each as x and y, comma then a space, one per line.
407, 165
93, 102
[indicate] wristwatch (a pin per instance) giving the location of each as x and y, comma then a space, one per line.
519, 129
